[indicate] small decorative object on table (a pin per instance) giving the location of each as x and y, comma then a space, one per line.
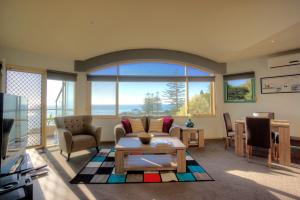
189, 123
145, 138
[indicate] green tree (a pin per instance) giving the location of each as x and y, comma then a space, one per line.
198, 104
175, 95
248, 86
157, 103
148, 104
152, 104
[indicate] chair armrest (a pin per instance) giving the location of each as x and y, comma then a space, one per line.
65, 140
96, 132
119, 132
175, 131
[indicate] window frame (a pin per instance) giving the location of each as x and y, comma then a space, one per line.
186, 81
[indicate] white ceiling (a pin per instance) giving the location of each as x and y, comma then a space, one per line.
222, 30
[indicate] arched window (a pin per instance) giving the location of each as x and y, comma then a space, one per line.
151, 88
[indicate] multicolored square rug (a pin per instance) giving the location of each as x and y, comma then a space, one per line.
100, 170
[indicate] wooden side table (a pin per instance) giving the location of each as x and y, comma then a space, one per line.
192, 136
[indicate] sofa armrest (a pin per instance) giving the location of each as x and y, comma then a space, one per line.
65, 140
96, 132
119, 132
175, 131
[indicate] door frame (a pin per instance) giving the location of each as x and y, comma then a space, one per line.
43, 72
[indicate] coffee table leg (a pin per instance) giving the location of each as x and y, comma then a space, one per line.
185, 138
119, 162
181, 162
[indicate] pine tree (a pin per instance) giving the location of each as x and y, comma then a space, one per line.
148, 104
175, 95
157, 103
152, 104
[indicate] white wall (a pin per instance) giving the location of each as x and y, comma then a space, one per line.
285, 106
29, 59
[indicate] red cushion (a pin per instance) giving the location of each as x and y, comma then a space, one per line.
167, 123
127, 125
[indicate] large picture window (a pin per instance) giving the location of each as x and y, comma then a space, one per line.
149, 88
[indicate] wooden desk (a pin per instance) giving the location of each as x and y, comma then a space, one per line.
280, 126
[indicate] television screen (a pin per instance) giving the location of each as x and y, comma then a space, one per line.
13, 133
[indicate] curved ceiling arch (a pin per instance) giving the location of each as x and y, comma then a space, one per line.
148, 55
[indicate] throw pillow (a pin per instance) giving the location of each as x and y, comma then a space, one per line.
136, 125
167, 123
127, 126
156, 125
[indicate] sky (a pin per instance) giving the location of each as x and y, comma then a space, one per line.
53, 89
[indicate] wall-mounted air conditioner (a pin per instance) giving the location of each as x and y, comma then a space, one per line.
284, 61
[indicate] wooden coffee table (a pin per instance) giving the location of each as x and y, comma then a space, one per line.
163, 153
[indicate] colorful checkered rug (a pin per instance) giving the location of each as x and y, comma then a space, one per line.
100, 170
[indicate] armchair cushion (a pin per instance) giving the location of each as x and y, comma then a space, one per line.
167, 123
92, 130
80, 142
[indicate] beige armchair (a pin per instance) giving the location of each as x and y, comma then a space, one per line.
119, 130
76, 133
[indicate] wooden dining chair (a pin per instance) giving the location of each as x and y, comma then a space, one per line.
270, 115
258, 134
274, 135
229, 130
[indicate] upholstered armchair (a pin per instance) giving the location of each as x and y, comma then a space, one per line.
119, 130
76, 133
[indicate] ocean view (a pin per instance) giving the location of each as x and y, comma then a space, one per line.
123, 109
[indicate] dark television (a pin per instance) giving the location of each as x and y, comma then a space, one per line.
13, 133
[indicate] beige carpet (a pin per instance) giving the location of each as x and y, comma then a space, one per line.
235, 178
